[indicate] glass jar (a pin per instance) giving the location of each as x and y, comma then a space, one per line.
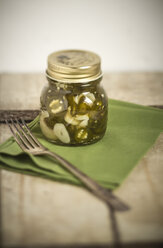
73, 104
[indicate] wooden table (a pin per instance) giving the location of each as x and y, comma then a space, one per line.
42, 213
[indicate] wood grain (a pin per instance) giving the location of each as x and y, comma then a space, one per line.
27, 115
42, 213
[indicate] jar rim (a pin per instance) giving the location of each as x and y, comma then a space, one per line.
74, 66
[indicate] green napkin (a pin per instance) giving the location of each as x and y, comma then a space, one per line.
132, 130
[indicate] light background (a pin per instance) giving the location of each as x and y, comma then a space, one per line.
127, 34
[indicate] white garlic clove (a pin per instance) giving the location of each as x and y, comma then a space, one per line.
69, 118
83, 123
44, 114
89, 98
77, 98
83, 120
61, 132
82, 117
44, 128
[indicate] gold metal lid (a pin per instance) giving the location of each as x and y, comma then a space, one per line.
74, 66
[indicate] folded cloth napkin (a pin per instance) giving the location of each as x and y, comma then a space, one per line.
132, 130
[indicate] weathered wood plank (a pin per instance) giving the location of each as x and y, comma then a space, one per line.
21, 91
140, 88
27, 115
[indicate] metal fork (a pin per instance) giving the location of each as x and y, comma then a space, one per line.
29, 144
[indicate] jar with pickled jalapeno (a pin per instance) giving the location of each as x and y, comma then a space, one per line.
73, 104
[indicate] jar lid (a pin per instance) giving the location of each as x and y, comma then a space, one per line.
74, 66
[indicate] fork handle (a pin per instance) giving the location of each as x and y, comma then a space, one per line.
102, 193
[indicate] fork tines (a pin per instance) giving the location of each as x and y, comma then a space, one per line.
22, 134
